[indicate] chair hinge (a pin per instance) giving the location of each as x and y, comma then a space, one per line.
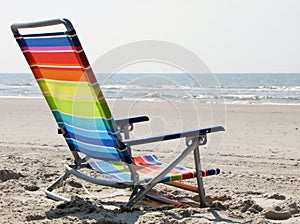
201, 139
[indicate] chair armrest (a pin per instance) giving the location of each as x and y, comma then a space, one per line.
131, 120
175, 135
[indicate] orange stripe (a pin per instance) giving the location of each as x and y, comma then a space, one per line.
144, 166
184, 186
64, 74
144, 170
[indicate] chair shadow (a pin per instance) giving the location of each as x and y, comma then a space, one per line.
81, 210
218, 218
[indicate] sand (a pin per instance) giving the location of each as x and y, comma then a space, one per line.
259, 155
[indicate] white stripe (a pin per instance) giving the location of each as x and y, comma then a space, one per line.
97, 146
57, 66
71, 96
87, 130
62, 81
107, 119
110, 175
52, 51
42, 37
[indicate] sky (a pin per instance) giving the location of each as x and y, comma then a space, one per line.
228, 35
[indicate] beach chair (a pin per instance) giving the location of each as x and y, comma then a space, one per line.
95, 139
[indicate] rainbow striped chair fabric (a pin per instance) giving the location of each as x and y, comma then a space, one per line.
72, 92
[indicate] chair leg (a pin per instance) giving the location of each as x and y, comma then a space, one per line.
50, 188
201, 190
138, 196
135, 190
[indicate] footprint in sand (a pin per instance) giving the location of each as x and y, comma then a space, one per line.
9, 174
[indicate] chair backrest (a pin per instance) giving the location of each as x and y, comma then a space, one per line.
71, 90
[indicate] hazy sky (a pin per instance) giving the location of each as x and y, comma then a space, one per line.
228, 35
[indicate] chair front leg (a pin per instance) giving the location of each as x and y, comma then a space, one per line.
201, 140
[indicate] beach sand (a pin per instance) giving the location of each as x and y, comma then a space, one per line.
259, 155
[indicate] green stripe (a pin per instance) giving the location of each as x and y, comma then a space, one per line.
74, 98
175, 177
83, 107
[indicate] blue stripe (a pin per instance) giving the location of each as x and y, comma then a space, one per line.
89, 134
45, 42
95, 152
214, 171
99, 124
110, 171
166, 179
153, 160
109, 142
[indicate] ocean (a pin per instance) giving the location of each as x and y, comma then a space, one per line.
236, 88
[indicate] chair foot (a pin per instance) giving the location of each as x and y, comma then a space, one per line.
56, 183
124, 208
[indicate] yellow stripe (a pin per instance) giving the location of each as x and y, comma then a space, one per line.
71, 89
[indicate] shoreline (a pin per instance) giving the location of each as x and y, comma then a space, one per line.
159, 101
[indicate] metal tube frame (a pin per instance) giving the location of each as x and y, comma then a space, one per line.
195, 137
51, 22
199, 177
73, 170
50, 188
192, 147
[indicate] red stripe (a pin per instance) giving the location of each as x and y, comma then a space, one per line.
188, 175
205, 173
138, 160
56, 58
148, 169
145, 166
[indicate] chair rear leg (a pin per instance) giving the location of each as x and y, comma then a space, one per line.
56, 183
201, 190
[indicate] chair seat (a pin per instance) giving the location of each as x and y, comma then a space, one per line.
147, 167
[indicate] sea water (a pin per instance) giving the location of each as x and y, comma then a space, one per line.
237, 88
